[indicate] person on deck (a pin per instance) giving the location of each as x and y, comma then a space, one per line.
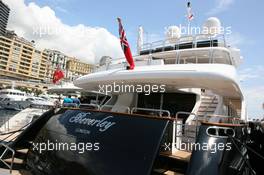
76, 101
68, 102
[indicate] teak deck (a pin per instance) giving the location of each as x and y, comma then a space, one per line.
179, 155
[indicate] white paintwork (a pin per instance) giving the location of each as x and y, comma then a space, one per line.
214, 55
173, 33
123, 101
12, 95
63, 88
202, 65
219, 78
21, 119
212, 26
40, 101
140, 39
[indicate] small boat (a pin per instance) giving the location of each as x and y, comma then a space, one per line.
12, 95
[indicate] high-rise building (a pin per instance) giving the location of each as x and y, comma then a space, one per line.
19, 59
72, 67
4, 14
76, 68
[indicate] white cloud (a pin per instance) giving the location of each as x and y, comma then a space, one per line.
253, 87
61, 9
42, 25
254, 99
221, 5
252, 73
236, 39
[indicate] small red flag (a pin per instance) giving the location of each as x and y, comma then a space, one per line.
190, 15
58, 74
125, 45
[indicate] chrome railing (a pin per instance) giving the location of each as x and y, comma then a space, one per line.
186, 39
160, 111
224, 118
90, 105
207, 107
111, 106
5, 124
2, 157
189, 113
182, 131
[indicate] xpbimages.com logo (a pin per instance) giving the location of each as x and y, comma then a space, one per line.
210, 147
59, 146
147, 89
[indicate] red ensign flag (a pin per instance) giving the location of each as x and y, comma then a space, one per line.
58, 74
189, 12
125, 45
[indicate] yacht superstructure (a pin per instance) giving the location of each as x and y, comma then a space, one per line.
203, 65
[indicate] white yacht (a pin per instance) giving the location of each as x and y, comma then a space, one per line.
12, 95
21, 119
197, 81
64, 88
180, 111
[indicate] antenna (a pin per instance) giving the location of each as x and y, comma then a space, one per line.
13, 85
140, 41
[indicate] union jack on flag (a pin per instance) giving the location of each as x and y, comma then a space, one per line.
125, 45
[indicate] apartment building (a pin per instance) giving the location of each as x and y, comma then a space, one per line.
4, 14
55, 59
19, 59
76, 68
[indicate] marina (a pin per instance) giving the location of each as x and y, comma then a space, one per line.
175, 106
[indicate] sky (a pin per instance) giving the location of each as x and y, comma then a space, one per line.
89, 30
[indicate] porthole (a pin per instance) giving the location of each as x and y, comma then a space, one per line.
222, 132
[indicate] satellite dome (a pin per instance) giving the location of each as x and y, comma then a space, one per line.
212, 26
173, 33
105, 60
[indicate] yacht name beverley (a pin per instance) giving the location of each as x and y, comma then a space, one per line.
102, 124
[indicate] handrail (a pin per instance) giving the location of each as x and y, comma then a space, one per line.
151, 110
128, 109
3, 154
206, 112
194, 39
189, 113
91, 105
178, 131
223, 116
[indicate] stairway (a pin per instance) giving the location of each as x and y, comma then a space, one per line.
208, 106
16, 164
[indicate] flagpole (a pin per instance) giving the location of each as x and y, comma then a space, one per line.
189, 16
125, 46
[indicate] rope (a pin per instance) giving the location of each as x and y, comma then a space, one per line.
243, 156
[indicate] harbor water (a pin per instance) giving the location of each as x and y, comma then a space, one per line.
6, 114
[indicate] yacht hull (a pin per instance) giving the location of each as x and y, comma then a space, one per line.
117, 144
